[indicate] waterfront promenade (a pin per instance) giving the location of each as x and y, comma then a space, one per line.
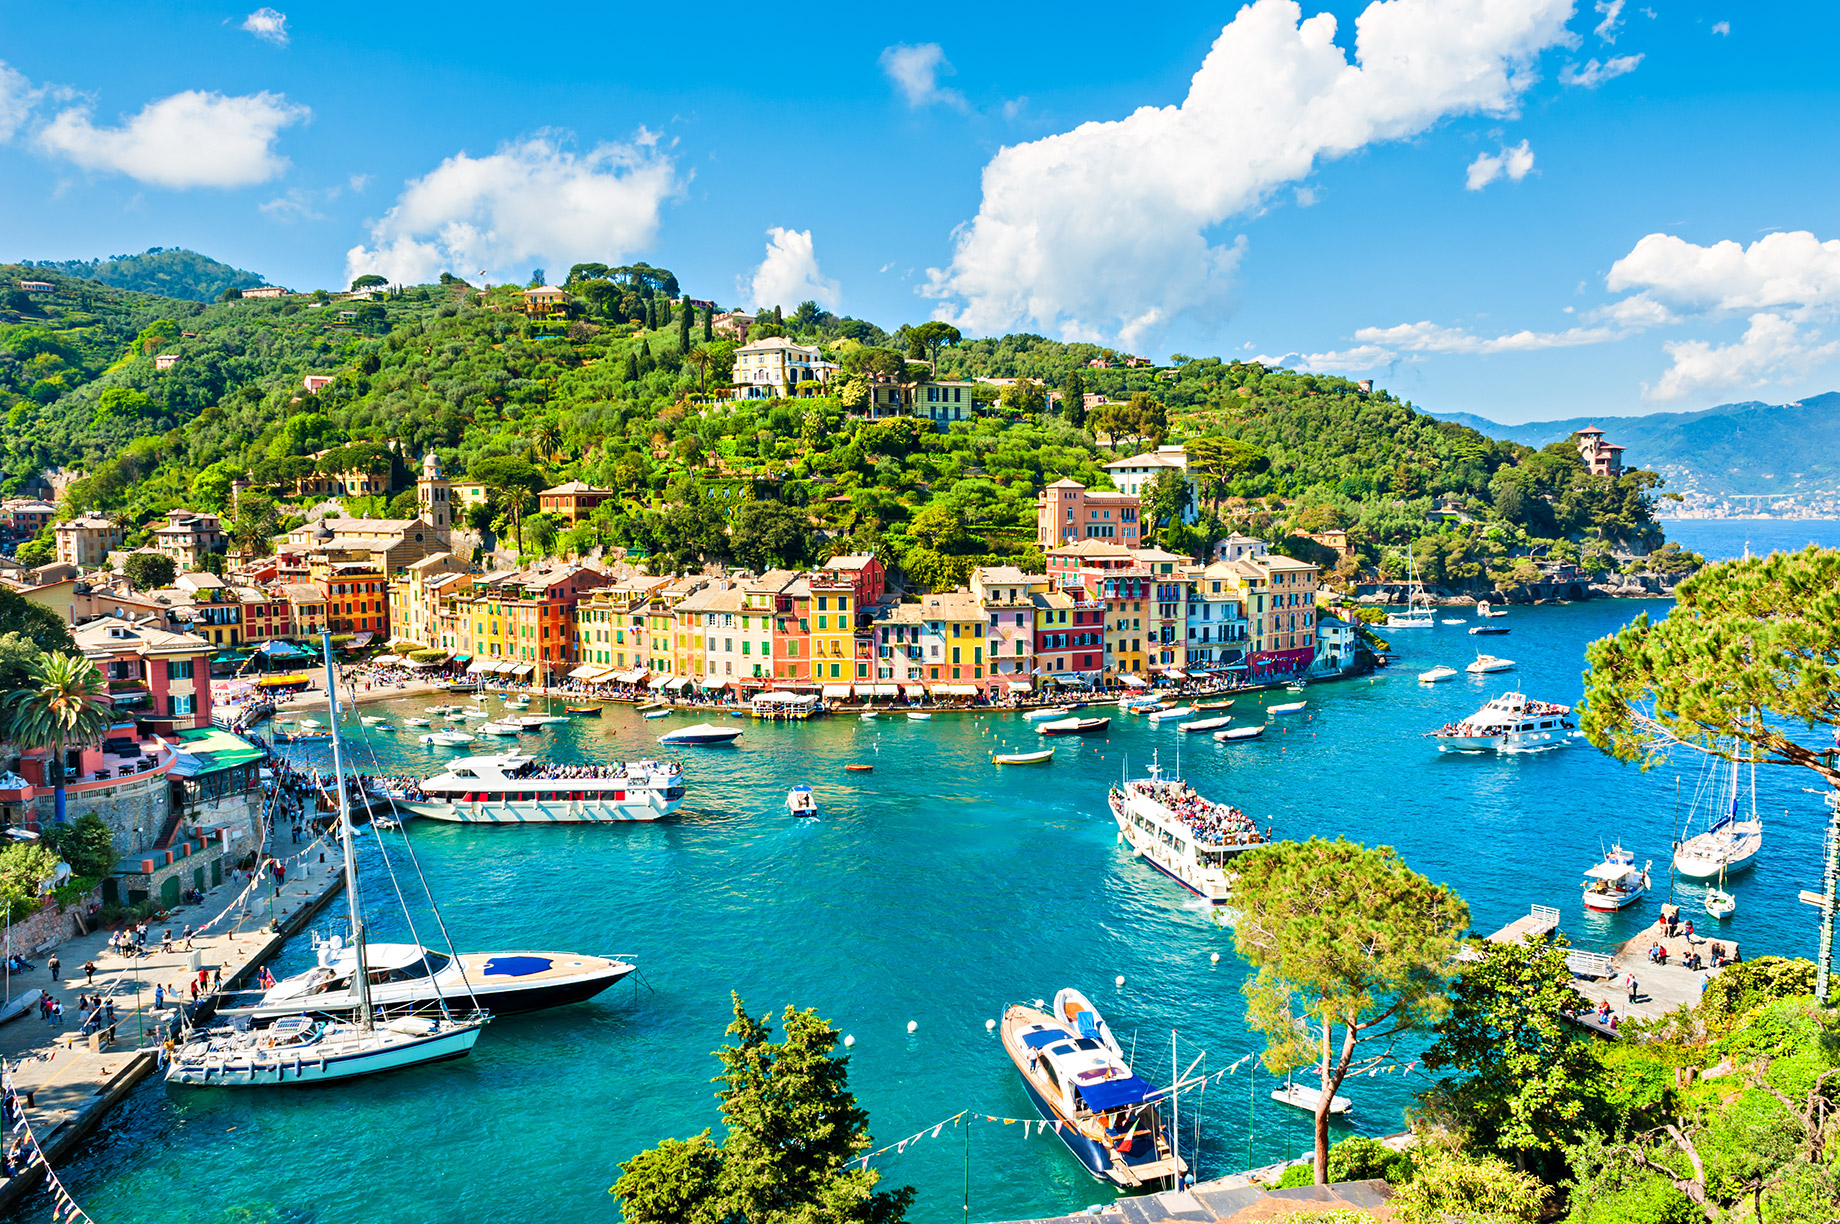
71, 1081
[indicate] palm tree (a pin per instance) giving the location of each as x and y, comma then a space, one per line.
548, 437
66, 702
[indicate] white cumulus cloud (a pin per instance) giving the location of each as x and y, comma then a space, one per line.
1516, 162
1105, 229
192, 139
532, 200
1612, 13
1790, 269
1772, 350
916, 70
1722, 28
789, 274
268, 25
17, 98
1428, 337
1594, 74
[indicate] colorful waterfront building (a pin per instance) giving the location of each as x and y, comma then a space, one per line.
1166, 620
899, 631
954, 642
1069, 634
1216, 616
1005, 594
1067, 511
412, 605
1280, 594
156, 677
792, 662
833, 628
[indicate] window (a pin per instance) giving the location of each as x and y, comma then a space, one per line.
181, 704
179, 669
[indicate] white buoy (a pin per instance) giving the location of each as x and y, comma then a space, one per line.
849, 1041
912, 1025
989, 1025
1214, 958
1119, 981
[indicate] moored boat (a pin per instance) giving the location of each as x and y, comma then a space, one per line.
582, 711
1307, 1098
1486, 663
1048, 712
1202, 724
1489, 630
919, 716
1731, 841
514, 789
801, 802
700, 735
1435, 674
1186, 837
447, 739
1290, 707
1616, 882
1072, 726
1508, 723
1235, 734
1022, 758
1077, 1011
1146, 707
1109, 1118
1226, 704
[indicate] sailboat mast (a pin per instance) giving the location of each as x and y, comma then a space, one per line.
362, 980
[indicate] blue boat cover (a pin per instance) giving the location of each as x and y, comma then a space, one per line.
1089, 1025
515, 966
1106, 1095
1046, 1037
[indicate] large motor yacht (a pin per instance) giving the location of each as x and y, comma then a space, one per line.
1187, 838
515, 789
1509, 723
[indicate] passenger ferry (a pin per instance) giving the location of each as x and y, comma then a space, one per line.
1187, 838
1509, 723
515, 789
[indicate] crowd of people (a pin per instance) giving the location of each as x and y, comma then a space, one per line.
548, 771
1216, 824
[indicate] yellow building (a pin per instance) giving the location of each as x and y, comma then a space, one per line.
833, 629
952, 643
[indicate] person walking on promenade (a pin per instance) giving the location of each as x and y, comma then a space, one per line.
159, 997
54, 964
188, 937
1631, 983
57, 1014
166, 941
89, 970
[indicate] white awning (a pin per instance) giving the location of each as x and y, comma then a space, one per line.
955, 690
586, 670
878, 690
834, 692
480, 666
659, 682
505, 669
713, 683
383, 659
1133, 681
1021, 686
631, 677
523, 669
675, 683
1177, 672
916, 690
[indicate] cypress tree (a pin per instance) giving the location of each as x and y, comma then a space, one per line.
632, 367
709, 326
684, 318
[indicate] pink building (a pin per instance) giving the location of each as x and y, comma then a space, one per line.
1067, 511
1603, 458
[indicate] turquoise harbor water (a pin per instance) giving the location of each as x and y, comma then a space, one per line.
935, 889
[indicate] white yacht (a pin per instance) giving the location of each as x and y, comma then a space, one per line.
1486, 663
514, 789
1187, 838
1731, 840
1616, 882
1508, 723
1440, 672
409, 977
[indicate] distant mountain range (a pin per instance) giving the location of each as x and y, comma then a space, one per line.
1734, 448
169, 271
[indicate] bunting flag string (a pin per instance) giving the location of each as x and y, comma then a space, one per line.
900, 1146
24, 1153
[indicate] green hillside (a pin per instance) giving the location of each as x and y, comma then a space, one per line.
620, 397
169, 271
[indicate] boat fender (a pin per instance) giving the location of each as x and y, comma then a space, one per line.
913, 1025
989, 1025
1119, 981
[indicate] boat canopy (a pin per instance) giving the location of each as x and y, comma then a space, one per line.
1610, 871
1102, 1096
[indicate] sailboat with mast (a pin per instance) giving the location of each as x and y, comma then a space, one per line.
1731, 840
1418, 604
302, 1049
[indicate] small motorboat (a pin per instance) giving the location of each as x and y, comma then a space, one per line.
370, 720
1022, 758
1307, 1098
801, 802
702, 735
311, 724
1289, 707
447, 739
417, 722
303, 737
1049, 712
1073, 726
919, 716
1215, 705
656, 714
1489, 630
1146, 707
1175, 711
530, 722
650, 705
1440, 672
496, 728
454, 716
860, 768
1202, 724
1486, 663
474, 712
1484, 610
383, 727
582, 711
869, 715
1077, 1010
1720, 904
386, 823
1452, 620
1239, 733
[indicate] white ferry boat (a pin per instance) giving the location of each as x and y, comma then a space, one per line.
515, 789
1187, 838
1616, 882
1509, 723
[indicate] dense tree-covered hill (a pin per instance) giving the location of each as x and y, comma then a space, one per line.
624, 395
169, 271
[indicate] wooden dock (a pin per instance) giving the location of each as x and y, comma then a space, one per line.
72, 1081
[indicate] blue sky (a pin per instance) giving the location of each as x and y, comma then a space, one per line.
1519, 208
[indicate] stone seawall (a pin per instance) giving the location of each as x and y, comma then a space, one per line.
50, 926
